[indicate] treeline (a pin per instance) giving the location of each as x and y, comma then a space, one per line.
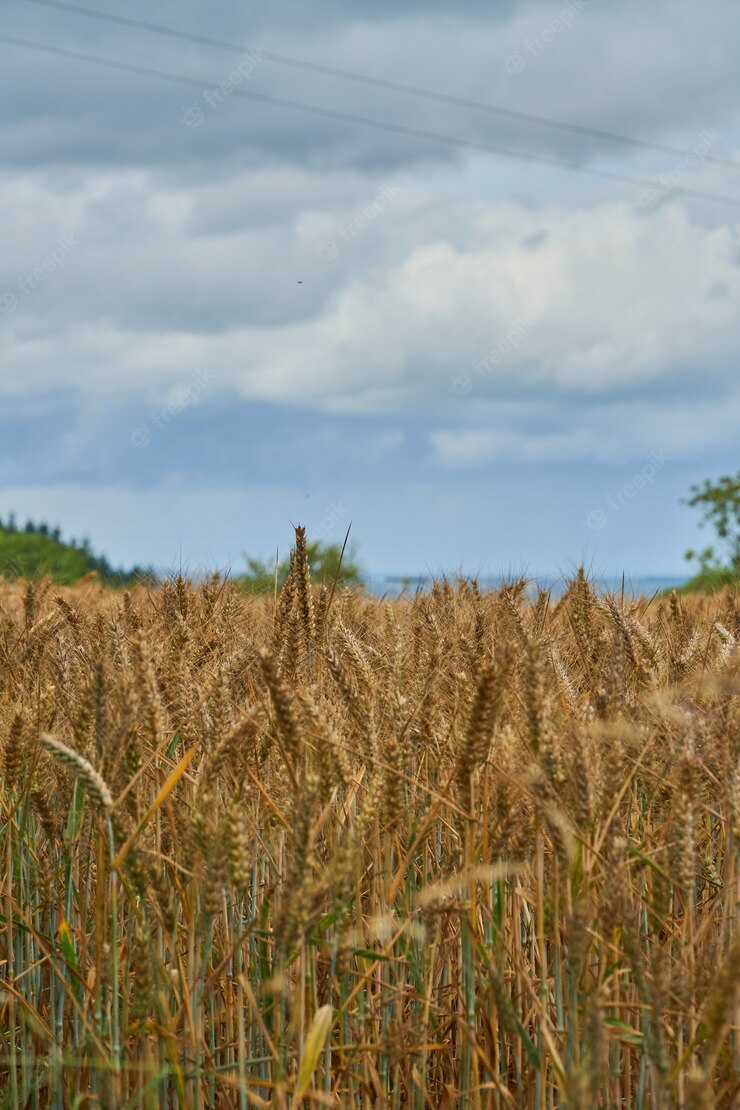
34, 549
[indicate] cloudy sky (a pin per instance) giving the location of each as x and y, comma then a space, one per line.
465, 275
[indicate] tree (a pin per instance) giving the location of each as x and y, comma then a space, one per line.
323, 562
720, 506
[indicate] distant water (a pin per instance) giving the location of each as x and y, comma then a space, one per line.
394, 585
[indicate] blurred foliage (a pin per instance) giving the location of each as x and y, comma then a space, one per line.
720, 506
719, 502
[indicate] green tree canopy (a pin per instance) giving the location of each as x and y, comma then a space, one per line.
719, 503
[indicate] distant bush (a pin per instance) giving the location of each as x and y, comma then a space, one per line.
710, 579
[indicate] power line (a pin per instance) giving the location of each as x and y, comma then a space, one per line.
365, 121
384, 83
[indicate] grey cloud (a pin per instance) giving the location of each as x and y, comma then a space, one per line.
66, 111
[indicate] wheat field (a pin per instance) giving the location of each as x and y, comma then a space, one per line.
319, 849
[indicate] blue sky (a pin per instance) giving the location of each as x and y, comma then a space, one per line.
220, 314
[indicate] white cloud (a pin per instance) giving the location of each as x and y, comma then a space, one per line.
619, 303
473, 447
